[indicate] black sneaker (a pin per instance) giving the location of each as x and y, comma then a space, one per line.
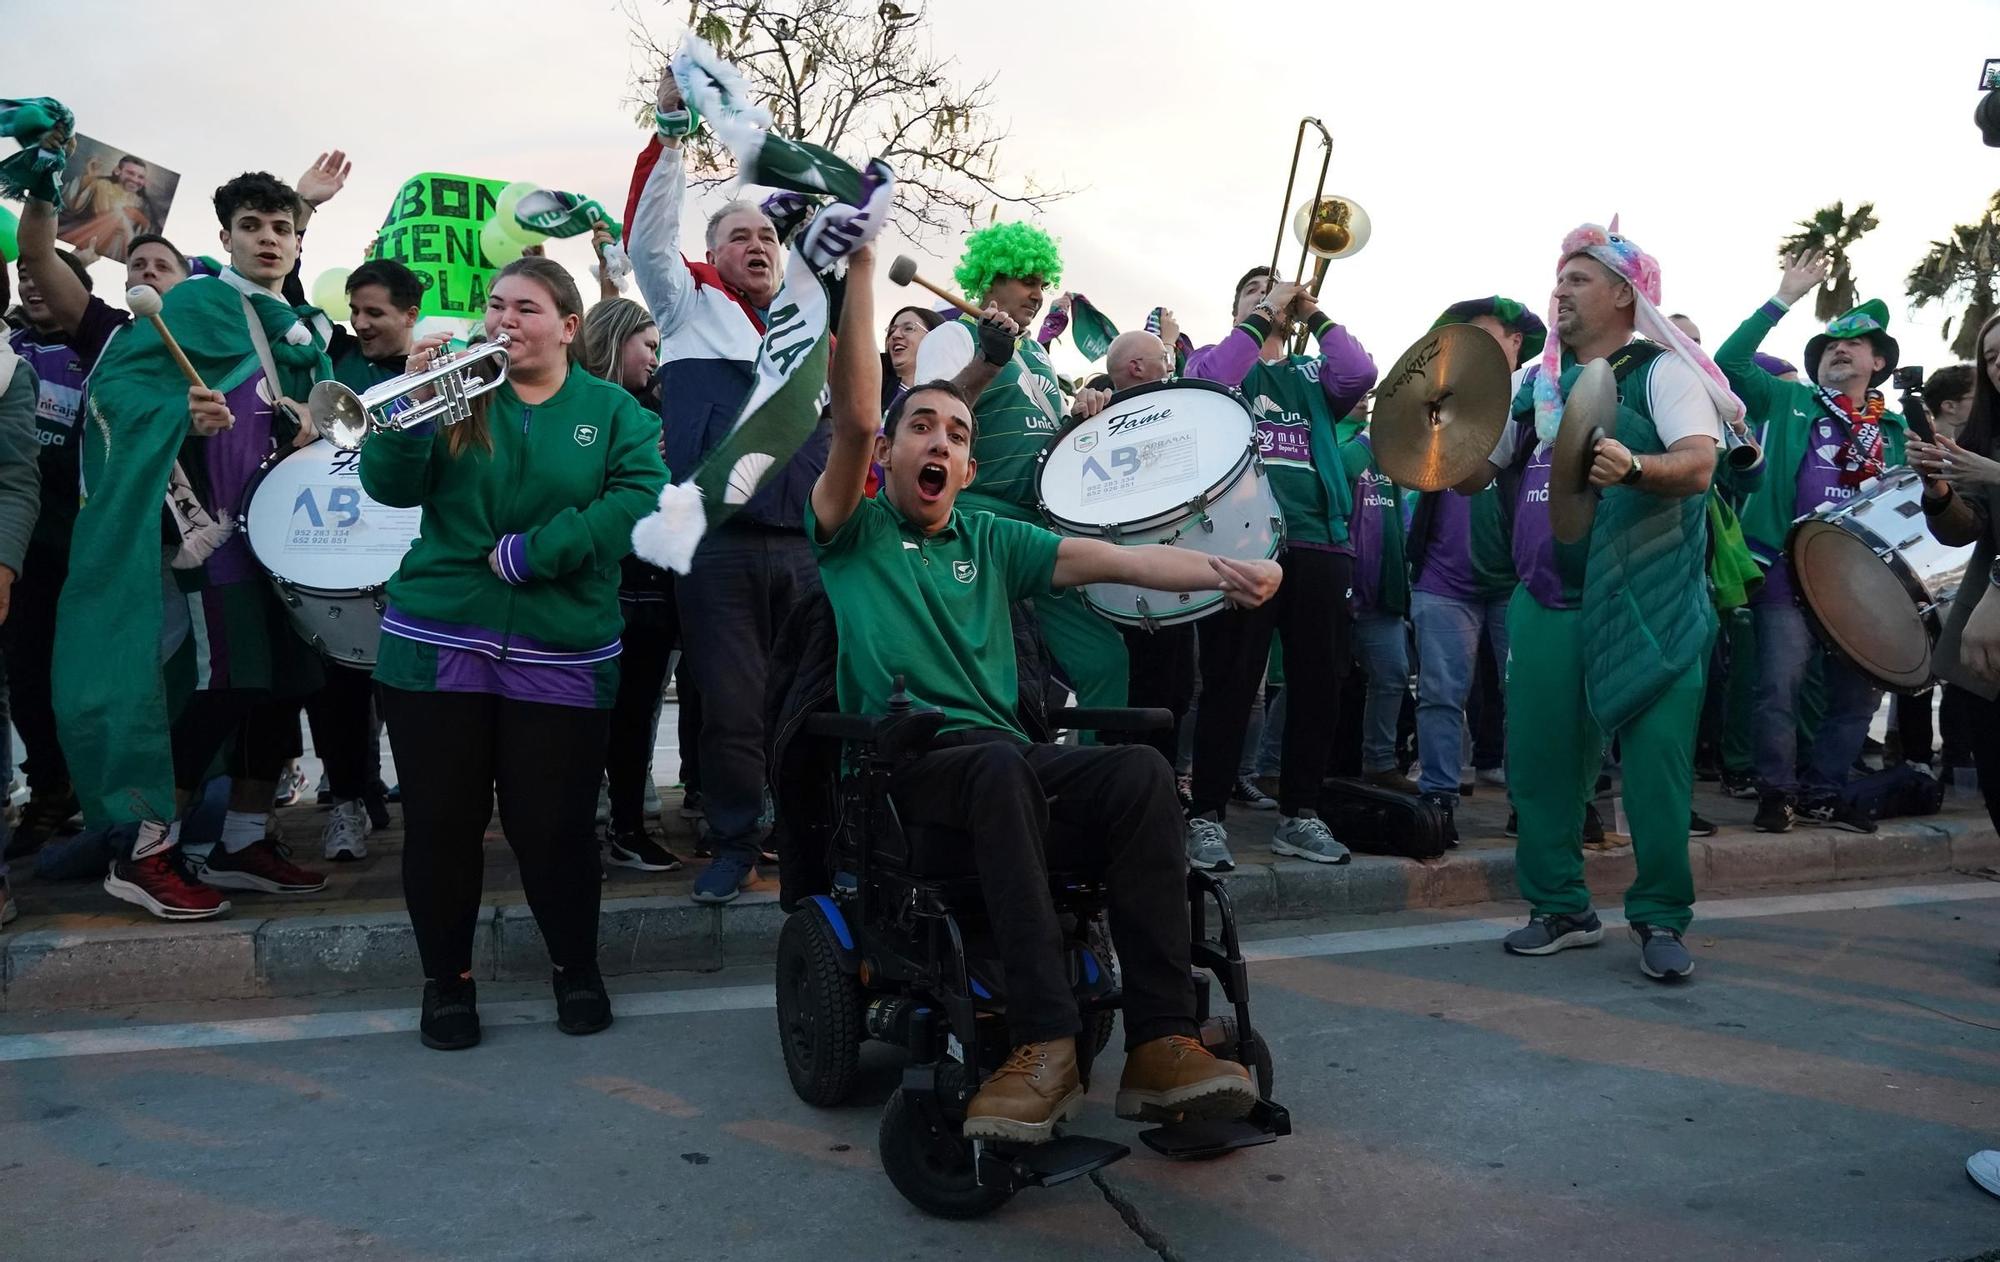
451, 1015
1832, 811
1245, 793
1513, 828
375, 801
1662, 955
582, 1007
640, 851
1448, 809
1546, 935
1593, 825
1774, 813
1739, 784
691, 804
45, 815
1700, 825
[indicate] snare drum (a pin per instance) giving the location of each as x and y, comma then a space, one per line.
1874, 583
328, 548
1172, 462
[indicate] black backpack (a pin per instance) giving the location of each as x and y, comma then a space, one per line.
1372, 820
1893, 792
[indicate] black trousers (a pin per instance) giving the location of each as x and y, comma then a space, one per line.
454, 751
256, 732
1162, 676
652, 632
341, 713
1982, 731
1314, 620
29, 639
743, 586
1119, 816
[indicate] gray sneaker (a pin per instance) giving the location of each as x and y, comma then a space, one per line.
1307, 837
1546, 935
1662, 955
346, 831
1208, 845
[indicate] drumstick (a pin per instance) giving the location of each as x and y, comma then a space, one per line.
904, 270
144, 301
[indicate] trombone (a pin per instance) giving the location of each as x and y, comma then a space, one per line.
1326, 226
455, 380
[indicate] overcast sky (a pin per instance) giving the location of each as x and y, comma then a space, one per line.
1475, 134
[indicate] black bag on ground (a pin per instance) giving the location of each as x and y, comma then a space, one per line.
1895, 792
1381, 821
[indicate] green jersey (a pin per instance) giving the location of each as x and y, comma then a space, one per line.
1295, 430
933, 609
1017, 414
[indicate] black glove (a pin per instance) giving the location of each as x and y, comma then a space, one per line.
996, 344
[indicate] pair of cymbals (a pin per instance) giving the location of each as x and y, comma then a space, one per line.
1590, 414
1440, 409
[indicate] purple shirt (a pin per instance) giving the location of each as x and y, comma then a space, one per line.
1346, 375
1373, 495
1447, 568
1534, 538
1817, 484
63, 364
233, 456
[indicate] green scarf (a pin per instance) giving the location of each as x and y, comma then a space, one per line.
44, 127
1090, 329
111, 698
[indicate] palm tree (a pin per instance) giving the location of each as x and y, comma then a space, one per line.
1832, 229
1964, 266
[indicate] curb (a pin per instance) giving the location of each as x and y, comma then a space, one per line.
302, 955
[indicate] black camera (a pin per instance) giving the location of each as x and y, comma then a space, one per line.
1987, 112
1911, 378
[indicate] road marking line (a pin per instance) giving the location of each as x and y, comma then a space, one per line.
115, 1041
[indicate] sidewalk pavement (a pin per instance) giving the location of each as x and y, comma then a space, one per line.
75, 946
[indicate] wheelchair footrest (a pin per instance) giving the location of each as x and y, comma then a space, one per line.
1200, 1139
1063, 1158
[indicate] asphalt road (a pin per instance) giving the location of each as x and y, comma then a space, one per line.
1811, 1094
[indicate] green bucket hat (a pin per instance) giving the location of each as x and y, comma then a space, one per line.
1869, 320
1513, 316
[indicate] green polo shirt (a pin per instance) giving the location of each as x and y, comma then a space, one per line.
933, 609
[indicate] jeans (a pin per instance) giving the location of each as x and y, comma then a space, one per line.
744, 584
1447, 654
1381, 645
1785, 649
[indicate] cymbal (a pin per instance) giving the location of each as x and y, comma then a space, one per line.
1590, 413
1440, 410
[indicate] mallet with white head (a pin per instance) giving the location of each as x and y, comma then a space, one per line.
144, 302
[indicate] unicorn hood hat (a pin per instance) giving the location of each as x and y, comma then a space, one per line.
1641, 270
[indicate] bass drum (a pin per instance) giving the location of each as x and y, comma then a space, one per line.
1171, 462
328, 548
1874, 583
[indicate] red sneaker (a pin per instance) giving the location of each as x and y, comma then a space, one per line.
162, 886
261, 865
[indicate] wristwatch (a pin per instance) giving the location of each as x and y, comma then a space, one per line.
1631, 477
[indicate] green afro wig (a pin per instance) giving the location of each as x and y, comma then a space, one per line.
1007, 249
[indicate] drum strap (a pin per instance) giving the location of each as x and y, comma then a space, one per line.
270, 366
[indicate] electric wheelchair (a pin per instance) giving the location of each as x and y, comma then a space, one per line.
886, 941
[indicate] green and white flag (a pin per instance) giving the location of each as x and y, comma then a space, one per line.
789, 378
554, 213
45, 129
1091, 329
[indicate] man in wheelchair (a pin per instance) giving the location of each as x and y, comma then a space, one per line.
922, 591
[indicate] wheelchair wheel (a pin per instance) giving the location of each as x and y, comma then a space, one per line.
819, 1012
931, 1164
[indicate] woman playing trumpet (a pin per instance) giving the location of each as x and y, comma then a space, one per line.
499, 657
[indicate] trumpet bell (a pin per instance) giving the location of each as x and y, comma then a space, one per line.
1331, 227
338, 412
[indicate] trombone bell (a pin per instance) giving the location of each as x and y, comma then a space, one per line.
1331, 227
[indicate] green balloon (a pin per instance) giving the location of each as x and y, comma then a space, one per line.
499, 246
510, 197
10, 247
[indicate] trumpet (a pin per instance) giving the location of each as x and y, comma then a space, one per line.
1739, 446
1327, 226
348, 418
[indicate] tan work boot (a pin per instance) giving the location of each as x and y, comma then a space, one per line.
1175, 1077
1027, 1096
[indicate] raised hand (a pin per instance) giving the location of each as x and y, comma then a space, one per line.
1803, 271
324, 178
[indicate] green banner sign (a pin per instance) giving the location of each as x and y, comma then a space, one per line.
433, 229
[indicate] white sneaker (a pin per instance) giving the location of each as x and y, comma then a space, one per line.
652, 798
1983, 1168
1208, 845
346, 828
1307, 837
1495, 776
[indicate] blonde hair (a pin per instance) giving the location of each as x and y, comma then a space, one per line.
606, 329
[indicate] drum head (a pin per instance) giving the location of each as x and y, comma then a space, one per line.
1151, 451
310, 524
1861, 605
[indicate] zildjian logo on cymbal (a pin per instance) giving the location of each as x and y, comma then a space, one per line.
1415, 368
